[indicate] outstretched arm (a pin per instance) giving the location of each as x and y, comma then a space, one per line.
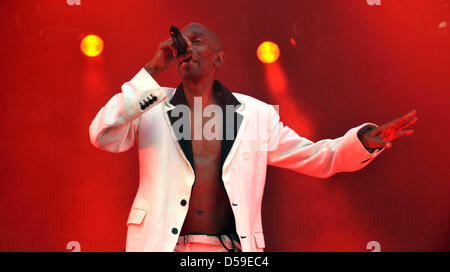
326, 157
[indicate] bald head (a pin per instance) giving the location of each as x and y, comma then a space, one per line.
200, 29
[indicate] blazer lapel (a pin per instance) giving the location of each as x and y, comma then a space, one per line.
186, 145
227, 98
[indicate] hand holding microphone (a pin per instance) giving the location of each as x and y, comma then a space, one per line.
178, 41
169, 52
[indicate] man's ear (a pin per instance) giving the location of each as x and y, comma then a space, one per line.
220, 58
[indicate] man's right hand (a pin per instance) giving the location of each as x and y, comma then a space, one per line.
166, 56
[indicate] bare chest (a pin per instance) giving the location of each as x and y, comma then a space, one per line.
209, 210
207, 154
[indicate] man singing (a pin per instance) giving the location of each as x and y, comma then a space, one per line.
203, 193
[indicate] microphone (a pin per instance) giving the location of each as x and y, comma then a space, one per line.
178, 40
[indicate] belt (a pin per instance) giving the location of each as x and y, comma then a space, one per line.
218, 240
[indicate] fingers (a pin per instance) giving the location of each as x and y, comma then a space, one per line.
403, 133
170, 49
412, 113
382, 143
394, 129
406, 118
170, 44
409, 123
401, 125
399, 122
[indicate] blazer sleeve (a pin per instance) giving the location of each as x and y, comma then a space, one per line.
321, 159
114, 128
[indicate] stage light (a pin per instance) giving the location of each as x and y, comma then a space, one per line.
443, 25
268, 52
373, 2
91, 45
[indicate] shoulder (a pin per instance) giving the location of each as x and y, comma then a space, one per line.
253, 103
247, 99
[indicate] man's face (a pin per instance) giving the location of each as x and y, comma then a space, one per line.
205, 46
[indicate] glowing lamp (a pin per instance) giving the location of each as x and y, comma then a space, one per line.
268, 52
91, 45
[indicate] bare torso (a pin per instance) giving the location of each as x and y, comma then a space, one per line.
209, 208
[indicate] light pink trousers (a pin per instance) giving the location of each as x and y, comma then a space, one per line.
207, 243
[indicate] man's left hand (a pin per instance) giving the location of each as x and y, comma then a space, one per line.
382, 136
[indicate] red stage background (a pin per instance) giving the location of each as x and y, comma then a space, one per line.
352, 62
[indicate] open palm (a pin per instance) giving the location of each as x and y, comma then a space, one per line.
383, 135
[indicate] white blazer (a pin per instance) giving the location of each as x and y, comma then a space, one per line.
139, 113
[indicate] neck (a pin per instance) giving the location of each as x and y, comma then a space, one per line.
199, 88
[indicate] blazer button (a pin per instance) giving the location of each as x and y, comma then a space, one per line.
174, 230
183, 202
